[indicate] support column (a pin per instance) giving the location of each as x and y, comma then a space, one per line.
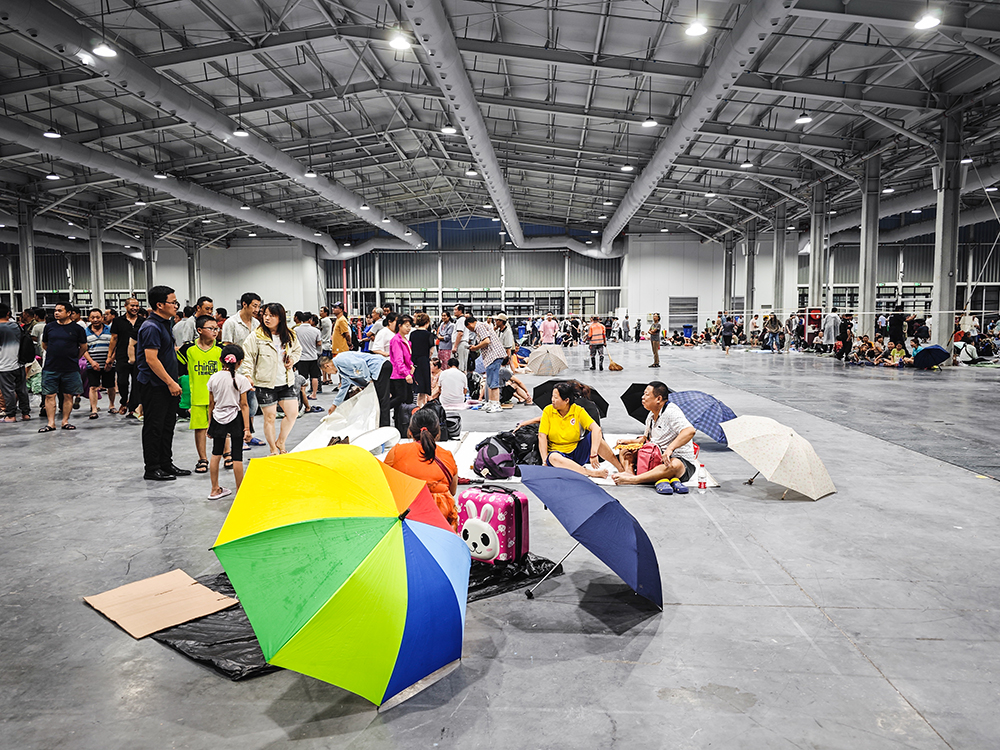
749, 303
565, 284
194, 271
148, 259
440, 282
817, 216
727, 273
26, 254
868, 260
378, 284
503, 281
949, 184
778, 303
96, 263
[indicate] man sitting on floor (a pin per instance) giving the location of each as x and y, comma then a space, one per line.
669, 429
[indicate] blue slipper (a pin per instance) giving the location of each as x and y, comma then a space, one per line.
679, 488
664, 487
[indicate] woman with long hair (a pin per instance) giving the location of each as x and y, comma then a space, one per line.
425, 459
568, 438
271, 352
401, 381
421, 343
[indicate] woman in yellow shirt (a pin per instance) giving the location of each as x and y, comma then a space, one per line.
569, 439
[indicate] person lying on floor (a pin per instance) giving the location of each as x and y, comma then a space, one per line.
672, 433
568, 438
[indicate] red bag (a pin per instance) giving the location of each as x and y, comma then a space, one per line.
648, 457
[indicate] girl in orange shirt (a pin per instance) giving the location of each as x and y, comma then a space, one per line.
423, 459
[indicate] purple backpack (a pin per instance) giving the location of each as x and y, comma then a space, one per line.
494, 460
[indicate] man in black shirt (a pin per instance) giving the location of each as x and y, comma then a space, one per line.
64, 343
156, 363
123, 328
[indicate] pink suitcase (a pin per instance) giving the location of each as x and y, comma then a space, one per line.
493, 521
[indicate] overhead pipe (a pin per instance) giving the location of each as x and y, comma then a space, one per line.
917, 229
61, 148
52, 28
755, 24
433, 32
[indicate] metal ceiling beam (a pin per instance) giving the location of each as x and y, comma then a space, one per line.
902, 14
843, 92
728, 167
784, 137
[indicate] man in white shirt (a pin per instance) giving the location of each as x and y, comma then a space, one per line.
670, 430
186, 331
381, 343
235, 330
311, 341
460, 345
454, 386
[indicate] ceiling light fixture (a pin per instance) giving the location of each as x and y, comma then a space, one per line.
594, 231
926, 21
649, 122
69, 224
52, 133
161, 175
803, 119
240, 132
310, 172
71, 237
449, 130
696, 28
685, 215
317, 234
832, 212
916, 211
365, 206
252, 234
347, 244
495, 218
399, 41
52, 176
471, 172
385, 219
747, 164
603, 216
407, 233
103, 50
627, 167
487, 205
710, 194
888, 189
280, 221
966, 160
244, 207
607, 202
664, 229
85, 57
991, 189
140, 202
206, 221
589, 242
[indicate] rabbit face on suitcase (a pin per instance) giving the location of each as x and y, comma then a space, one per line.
478, 534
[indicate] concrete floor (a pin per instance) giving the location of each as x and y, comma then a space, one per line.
865, 620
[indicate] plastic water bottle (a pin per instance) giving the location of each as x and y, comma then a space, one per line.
702, 478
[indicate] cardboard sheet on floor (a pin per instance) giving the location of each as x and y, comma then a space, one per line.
159, 602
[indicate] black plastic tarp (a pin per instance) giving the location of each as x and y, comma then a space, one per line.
226, 642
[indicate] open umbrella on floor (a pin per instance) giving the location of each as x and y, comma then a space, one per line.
705, 412
347, 570
930, 356
547, 360
632, 400
542, 396
601, 524
780, 454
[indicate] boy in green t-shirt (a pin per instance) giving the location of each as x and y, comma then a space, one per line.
199, 359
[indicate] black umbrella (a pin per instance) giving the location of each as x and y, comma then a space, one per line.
632, 399
542, 395
930, 356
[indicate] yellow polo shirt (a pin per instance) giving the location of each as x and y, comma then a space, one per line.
564, 432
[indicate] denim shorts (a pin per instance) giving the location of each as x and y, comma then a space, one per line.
68, 383
493, 373
269, 396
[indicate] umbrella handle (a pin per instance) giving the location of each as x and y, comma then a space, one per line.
530, 592
750, 480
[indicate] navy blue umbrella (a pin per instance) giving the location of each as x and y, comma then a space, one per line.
705, 412
930, 356
601, 524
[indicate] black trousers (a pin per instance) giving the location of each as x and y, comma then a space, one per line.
128, 386
15, 392
382, 391
159, 416
402, 395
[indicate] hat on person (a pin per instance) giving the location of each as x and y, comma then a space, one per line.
338, 304
500, 316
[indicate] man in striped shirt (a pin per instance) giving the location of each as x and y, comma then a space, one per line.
100, 373
492, 354
597, 335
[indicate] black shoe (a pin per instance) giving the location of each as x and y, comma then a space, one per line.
592, 367
177, 471
159, 476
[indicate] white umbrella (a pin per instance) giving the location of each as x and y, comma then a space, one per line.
547, 360
780, 454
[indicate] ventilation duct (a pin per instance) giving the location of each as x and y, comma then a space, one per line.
755, 24
17, 132
50, 27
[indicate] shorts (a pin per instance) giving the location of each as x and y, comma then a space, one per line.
579, 455
271, 396
493, 373
199, 417
727, 340
689, 469
101, 378
232, 430
308, 368
596, 350
67, 383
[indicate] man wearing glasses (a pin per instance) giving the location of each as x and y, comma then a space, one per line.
156, 363
199, 360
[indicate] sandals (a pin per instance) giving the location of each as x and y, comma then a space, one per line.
112, 410
228, 463
47, 428
68, 426
93, 415
223, 492
202, 466
123, 410
10, 419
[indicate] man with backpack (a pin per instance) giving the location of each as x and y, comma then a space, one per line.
16, 351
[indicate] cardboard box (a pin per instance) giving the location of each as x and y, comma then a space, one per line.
159, 602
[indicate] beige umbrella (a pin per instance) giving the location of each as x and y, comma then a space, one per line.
780, 454
547, 360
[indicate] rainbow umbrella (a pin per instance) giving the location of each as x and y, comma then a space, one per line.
347, 570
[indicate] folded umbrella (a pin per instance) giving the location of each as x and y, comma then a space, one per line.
542, 396
547, 360
930, 356
347, 570
705, 412
780, 454
601, 524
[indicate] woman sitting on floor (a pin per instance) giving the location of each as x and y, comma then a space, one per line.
424, 459
568, 438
